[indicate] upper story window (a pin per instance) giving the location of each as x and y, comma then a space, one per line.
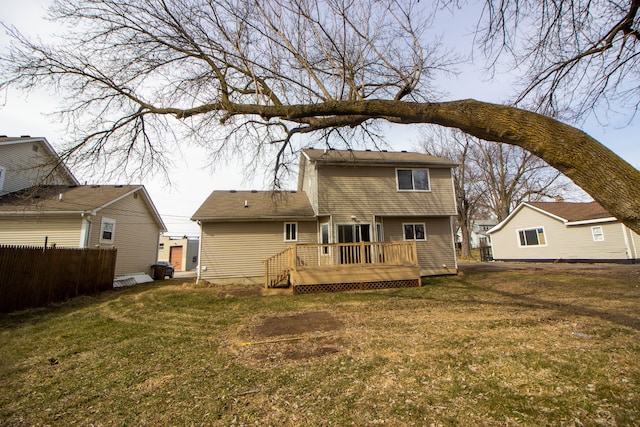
107, 230
414, 232
532, 237
597, 233
290, 231
413, 179
161, 246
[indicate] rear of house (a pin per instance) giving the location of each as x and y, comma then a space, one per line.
563, 231
343, 197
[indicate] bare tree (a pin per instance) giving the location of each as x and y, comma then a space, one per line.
459, 147
276, 70
573, 56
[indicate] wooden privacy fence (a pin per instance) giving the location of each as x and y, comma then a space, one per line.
34, 276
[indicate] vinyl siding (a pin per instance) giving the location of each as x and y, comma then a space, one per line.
309, 185
237, 249
562, 242
368, 191
434, 253
26, 168
136, 234
62, 231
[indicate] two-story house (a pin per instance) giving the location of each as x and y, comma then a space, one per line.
351, 209
42, 204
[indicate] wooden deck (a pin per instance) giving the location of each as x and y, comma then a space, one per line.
344, 266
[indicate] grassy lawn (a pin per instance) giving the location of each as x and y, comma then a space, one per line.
526, 347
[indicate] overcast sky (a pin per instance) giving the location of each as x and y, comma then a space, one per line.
192, 180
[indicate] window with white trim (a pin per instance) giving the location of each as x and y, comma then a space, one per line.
414, 232
532, 237
107, 230
597, 233
290, 231
2, 172
413, 179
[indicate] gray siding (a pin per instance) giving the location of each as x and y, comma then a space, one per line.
436, 255
136, 234
26, 167
562, 242
237, 249
368, 191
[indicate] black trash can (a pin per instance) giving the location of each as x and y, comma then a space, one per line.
158, 271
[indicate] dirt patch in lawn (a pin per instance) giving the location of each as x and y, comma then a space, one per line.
298, 336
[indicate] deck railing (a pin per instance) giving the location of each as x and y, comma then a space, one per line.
278, 267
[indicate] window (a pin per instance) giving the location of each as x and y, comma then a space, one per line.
413, 179
1, 177
107, 230
532, 237
290, 231
598, 235
414, 232
160, 246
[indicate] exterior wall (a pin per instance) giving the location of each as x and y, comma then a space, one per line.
190, 248
436, 255
309, 186
367, 191
31, 230
235, 250
25, 167
136, 234
562, 242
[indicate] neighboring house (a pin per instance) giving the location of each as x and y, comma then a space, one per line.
563, 231
343, 197
43, 204
26, 162
478, 236
181, 252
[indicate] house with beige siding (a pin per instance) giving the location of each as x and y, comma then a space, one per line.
563, 231
351, 209
180, 252
42, 204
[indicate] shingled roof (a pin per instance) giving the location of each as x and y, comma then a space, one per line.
238, 205
570, 213
375, 157
70, 199
573, 211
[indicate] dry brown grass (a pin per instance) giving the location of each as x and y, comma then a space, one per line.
518, 346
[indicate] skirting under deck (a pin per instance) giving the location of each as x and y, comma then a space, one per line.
340, 287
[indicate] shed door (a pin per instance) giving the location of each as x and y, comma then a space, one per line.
175, 257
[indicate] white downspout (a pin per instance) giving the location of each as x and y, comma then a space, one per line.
199, 266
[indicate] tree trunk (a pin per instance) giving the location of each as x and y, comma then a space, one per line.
611, 181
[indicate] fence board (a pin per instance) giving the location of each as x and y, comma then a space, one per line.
33, 276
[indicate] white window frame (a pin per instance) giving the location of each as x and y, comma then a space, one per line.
413, 186
105, 222
413, 224
3, 172
597, 236
544, 233
288, 233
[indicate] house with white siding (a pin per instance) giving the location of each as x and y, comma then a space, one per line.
357, 218
42, 204
563, 231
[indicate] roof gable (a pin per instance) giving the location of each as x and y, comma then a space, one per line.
240, 205
42, 142
569, 213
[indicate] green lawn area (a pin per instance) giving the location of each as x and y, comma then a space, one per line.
536, 346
